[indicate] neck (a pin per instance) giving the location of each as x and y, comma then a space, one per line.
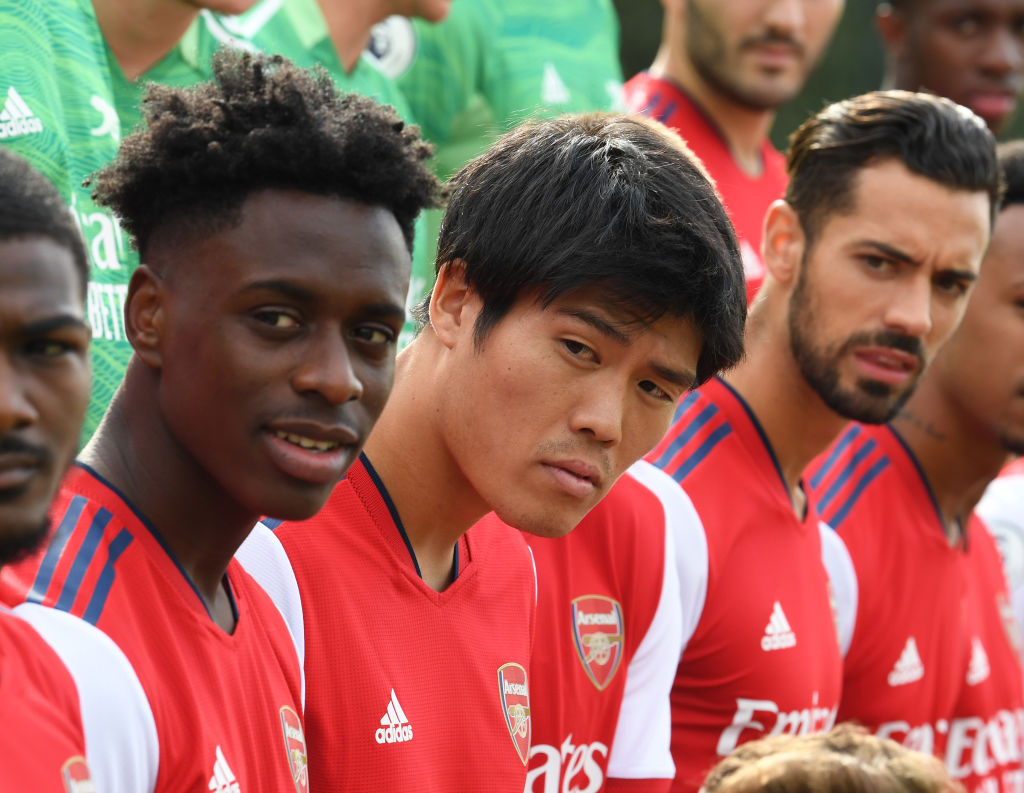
798, 425
349, 24
199, 523
958, 454
745, 129
408, 449
141, 32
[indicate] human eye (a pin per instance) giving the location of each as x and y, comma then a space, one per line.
876, 263
656, 391
578, 349
375, 334
48, 348
966, 25
952, 284
276, 319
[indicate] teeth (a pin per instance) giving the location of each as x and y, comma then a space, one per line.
306, 443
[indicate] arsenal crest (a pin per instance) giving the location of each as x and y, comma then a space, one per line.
76, 776
295, 746
515, 704
598, 634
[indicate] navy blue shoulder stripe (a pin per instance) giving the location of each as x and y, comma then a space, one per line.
845, 440
691, 429
106, 580
841, 513
271, 523
845, 475
83, 559
701, 452
56, 547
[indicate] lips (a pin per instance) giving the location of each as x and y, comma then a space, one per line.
886, 364
17, 469
311, 452
575, 477
992, 104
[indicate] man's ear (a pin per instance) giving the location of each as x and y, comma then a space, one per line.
892, 27
782, 246
454, 305
144, 314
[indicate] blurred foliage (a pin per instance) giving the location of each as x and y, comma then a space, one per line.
852, 65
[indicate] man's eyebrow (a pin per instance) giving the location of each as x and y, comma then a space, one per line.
46, 325
287, 288
601, 325
683, 379
901, 256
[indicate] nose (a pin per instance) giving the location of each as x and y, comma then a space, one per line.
784, 16
1003, 52
16, 408
599, 414
326, 369
910, 311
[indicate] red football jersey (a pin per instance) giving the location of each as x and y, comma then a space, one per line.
927, 660
764, 656
745, 197
42, 744
407, 689
223, 709
609, 612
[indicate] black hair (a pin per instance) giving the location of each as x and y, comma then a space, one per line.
1011, 160
30, 205
598, 200
261, 123
931, 135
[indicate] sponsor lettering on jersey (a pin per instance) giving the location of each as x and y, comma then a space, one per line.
753, 716
514, 693
974, 746
570, 768
395, 726
599, 637
295, 747
16, 118
76, 776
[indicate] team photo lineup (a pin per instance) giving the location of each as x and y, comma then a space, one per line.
410, 396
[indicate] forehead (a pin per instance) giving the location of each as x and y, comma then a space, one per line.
893, 206
329, 243
1004, 261
37, 276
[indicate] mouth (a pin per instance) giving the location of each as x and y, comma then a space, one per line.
992, 104
307, 443
575, 477
887, 365
312, 453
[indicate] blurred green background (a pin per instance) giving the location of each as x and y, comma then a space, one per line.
852, 65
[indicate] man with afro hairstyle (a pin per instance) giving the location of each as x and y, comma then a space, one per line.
274, 221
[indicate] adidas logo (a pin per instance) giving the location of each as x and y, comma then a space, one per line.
223, 780
777, 635
16, 118
978, 669
395, 727
908, 668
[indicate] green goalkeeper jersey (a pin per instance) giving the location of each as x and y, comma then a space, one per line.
57, 110
495, 63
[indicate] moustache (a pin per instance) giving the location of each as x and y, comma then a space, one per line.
12, 444
773, 37
888, 338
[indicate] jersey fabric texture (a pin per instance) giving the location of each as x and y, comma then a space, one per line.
761, 654
492, 64
42, 747
57, 110
225, 708
609, 612
925, 638
1002, 509
407, 689
746, 197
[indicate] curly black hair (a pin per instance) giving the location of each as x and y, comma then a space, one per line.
261, 123
30, 205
